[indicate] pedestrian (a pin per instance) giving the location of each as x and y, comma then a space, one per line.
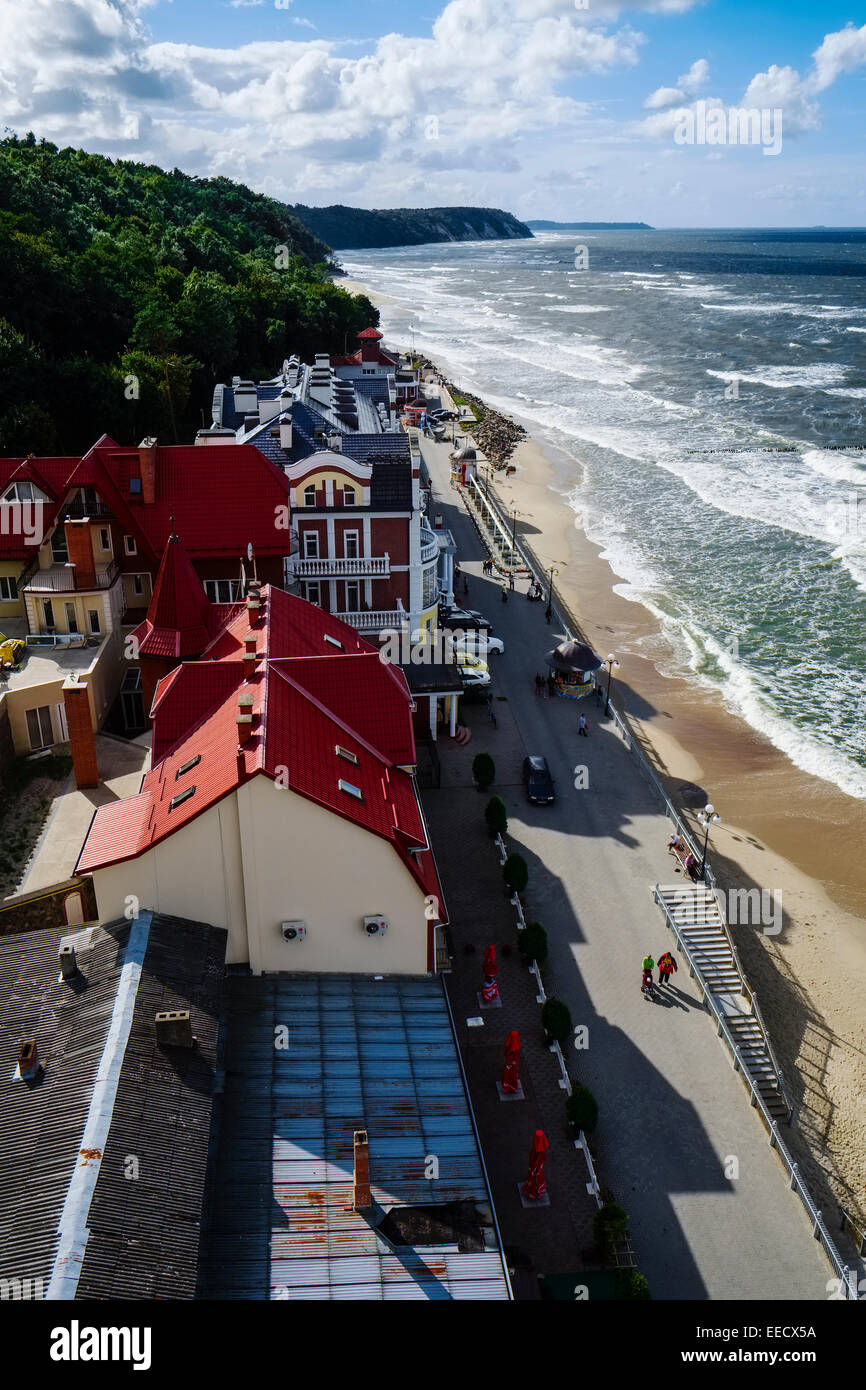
511, 583
647, 968
539, 682
505, 593
548, 613
667, 964
551, 686
583, 727
599, 696
465, 586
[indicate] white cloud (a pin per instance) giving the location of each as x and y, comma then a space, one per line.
840, 52
696, 77
690, 82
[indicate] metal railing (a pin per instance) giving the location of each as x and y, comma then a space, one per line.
819, 1228
65, 580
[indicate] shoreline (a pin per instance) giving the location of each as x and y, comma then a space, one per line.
782, 829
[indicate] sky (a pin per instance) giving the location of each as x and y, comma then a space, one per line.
562, 109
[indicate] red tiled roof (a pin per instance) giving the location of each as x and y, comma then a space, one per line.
181, 620
370, 333
305, 704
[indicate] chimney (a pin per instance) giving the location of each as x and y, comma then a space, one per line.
286, 432
174, 1028
251, 654
245, 718
68, 963
361, 1198
28, 1060
76, 702
147, 465
80, 547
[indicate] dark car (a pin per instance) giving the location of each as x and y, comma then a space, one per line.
538, 781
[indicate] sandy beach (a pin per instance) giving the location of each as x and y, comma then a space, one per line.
782, 830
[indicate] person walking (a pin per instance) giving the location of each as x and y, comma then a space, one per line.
551, 687
465, 586
505, 593
667, 965
583, 727
647, 975
539, 683
599, 696
548, 613
511, 583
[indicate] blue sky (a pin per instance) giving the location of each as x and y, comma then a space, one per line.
533, 105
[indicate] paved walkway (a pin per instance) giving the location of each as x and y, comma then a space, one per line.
679, 1144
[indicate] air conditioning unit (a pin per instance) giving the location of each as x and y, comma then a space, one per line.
293, 931
375, 926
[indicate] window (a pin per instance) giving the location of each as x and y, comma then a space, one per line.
138, 583
59, 548
93, 618
350, 789
313, 594
48, 614
349, 498
39, 728
181, 798
104, 538
71, 618
310, 496
19, 492
129, 545
353, 598
135, 487
368, 371
187, 767
350, 545
311, 545
342, 752
222, 590
8, 588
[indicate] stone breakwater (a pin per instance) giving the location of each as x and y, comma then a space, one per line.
495, 434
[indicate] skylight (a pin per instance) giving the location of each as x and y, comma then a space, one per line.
350, 789
187, 767
181, 797
342, 752
333, 641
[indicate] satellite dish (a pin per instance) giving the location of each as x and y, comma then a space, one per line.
250, 551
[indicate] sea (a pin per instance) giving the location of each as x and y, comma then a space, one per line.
704, 394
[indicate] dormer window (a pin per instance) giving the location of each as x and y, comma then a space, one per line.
310, 496
19, 492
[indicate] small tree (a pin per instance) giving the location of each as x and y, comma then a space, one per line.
631, 1284
496, 815
515, 873
532, 943
610, 1227
582, 1109
483, 770
556, 1020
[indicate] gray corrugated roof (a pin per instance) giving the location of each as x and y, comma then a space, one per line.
366, 1054
143, 1238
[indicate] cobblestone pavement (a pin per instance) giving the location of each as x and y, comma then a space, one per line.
711, 1215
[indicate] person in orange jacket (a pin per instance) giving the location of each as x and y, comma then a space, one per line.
667, 964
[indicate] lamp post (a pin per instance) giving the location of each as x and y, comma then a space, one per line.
706, 818
611, 662
552, 570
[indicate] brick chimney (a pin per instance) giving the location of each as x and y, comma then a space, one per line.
80, 546
81, 741
147, 464
361, 1197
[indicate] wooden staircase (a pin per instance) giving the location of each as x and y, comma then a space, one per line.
692, 911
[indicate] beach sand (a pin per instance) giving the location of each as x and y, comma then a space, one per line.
782, 830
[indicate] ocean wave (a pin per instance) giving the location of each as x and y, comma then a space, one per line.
818, 376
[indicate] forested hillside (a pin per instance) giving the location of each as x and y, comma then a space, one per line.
357, 227
120, 278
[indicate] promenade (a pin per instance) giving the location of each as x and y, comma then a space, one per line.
711, 1216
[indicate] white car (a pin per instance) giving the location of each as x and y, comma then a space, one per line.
478, 644
473, 672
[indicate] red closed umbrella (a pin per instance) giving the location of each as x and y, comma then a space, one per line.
536, 1183
490, 989
512, 1054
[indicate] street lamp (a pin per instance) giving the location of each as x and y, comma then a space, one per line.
552, 570
611, 662
706, 818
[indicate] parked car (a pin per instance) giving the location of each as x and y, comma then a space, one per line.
474, 673
537, 780
479, 642
465, 618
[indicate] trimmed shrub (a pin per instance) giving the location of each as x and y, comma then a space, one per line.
610, 1226
532, 943
582, 1109
631, 1284
496, 815
556, 1020
483, 770
516, 873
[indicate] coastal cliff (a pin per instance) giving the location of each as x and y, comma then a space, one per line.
343, 227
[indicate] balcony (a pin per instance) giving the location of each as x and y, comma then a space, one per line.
60, 579
371, 566
77, 509
429, 547
376, 621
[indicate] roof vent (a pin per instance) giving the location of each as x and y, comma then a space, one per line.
28, 1060
68, 963
361, 1198
174, 1028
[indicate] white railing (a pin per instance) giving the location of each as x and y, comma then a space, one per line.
847, 1275
592, 1186
376, 620
429, 550
342, 566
